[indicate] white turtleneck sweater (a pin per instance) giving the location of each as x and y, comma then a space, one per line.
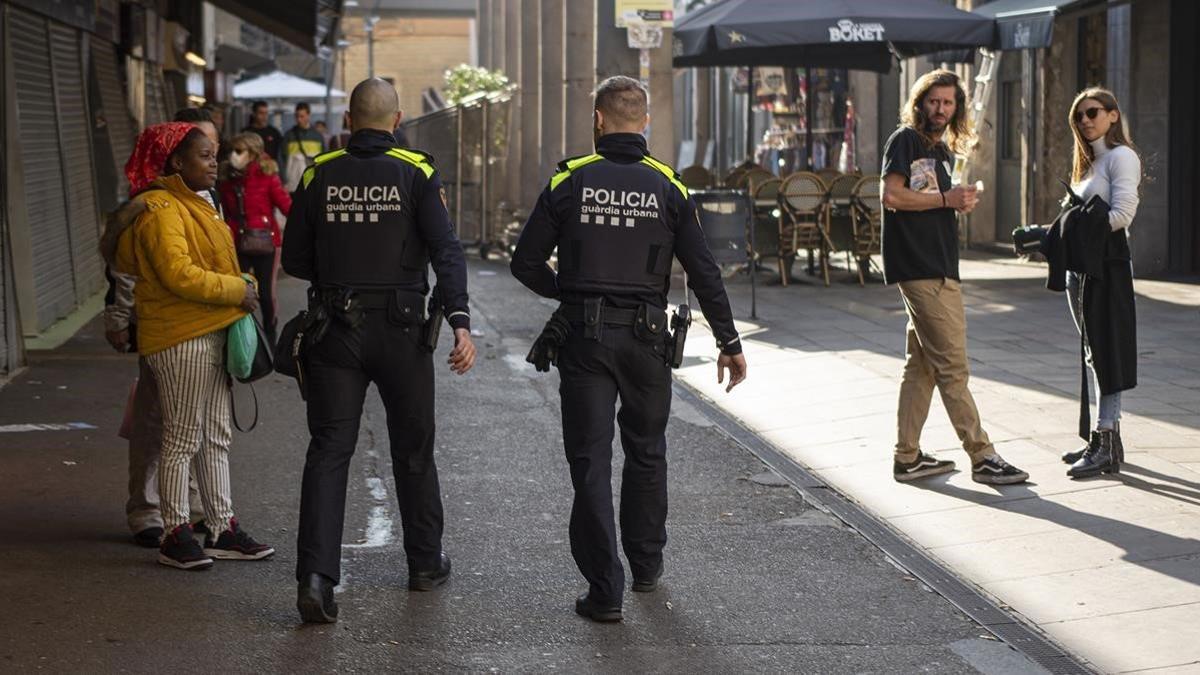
1114, 176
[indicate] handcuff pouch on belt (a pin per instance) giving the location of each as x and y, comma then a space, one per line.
593, 318
650, 323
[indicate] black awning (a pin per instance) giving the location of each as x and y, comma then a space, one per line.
304, 23
855, 34
1026, 24
231, 59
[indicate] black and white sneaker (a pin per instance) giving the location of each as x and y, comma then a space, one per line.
180, 549
922, 466
236, 544
995, 471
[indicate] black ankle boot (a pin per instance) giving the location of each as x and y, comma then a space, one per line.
1072, 456
314, 599
1104, 459
1118, 446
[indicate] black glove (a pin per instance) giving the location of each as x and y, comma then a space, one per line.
545, 348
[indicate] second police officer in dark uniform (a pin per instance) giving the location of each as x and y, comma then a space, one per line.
364, 225
617, 218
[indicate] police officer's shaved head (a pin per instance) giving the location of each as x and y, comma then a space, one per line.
374, 104
623, 104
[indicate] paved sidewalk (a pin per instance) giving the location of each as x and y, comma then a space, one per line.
1108, 567
756, 580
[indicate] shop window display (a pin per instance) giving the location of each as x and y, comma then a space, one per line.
783, 93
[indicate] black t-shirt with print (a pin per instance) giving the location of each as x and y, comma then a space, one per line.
919, 244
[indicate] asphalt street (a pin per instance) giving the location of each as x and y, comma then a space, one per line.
756, 580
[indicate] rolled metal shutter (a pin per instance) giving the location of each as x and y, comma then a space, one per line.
76, 148
5, 307
156, 104
37, 129
118, 121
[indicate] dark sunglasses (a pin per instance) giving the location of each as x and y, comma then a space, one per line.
1090, 112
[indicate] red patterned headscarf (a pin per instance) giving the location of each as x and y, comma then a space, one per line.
154, 145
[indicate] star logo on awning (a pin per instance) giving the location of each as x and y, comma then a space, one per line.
736, 37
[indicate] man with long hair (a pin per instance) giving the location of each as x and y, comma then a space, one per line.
920, 256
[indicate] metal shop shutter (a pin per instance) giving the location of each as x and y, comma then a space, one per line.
5, 307
118, 121
156, 98
76, 149
45, 194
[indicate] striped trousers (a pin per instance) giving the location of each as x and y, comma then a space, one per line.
195, 398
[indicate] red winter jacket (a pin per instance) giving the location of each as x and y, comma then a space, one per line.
262, 194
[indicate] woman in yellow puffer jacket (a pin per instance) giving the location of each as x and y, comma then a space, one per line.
188, 291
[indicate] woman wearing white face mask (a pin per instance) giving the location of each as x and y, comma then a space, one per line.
250, 192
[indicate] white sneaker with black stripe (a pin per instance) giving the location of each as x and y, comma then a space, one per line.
922, 466
993, 470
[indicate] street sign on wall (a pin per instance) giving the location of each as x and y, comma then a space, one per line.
660, 12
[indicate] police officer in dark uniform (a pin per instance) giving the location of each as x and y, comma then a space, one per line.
617, 218
365, 222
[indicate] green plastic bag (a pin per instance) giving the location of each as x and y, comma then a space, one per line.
241, 344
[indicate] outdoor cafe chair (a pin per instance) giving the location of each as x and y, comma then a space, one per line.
736, 176
802, 204
696, 177
828, 174
765, 198
866, 215
838, 223
754, 177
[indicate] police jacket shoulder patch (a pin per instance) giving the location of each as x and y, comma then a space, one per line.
567, 166
418, 159
320, 159
667, 171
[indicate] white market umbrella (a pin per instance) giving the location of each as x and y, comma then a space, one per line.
278, 84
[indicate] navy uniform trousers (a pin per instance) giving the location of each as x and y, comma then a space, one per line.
338, 369
593, 376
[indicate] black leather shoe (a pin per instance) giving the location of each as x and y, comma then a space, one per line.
149, 537
314, 599
585, 607
1104, 459
648, 585
429, 581
1072, 456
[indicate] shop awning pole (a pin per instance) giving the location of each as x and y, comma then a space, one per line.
750, 114
809, 110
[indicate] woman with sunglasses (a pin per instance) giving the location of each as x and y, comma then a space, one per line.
1106, 165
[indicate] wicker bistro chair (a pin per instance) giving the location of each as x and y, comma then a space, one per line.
838, 224
866, 215
736, 176
802, 204
765, 201
696, 177
754, 177
828, 174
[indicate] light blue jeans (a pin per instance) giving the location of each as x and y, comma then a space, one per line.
1109, 409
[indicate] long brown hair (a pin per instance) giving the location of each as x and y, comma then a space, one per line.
1118, 133
912, 115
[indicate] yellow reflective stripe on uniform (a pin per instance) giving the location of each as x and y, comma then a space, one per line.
413, 158
311, 171
571, 166
666, 171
